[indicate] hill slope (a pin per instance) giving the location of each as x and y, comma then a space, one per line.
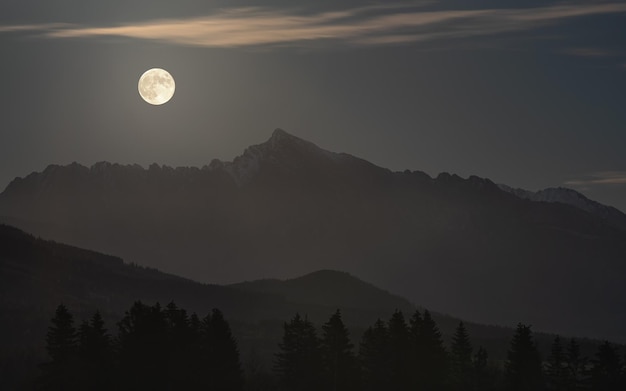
36, 275
286, 207
329, 288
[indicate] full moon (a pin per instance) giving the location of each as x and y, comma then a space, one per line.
156, 86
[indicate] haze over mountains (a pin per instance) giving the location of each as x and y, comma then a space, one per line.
286, 208
36, 275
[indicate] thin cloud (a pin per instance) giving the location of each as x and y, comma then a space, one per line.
589, 52
378, 25
33, 27
600, 178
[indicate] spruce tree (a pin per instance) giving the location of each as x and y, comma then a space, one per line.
144, 346
557, 375
298, 362
417, 354
61, 344
96, 354
399, 353
225, 364
461, 359
523, 365
61, 336
180, 347
606, 372
373, 356
338, 356
434, 356
202, 368
196, 353
576, 365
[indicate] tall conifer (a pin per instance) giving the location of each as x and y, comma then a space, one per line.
576, 365
461, 358
523, 365
298, 362
434, 356
373, 355
606, 372
225, 362
96, 354
61, 343
557, 375
338, 355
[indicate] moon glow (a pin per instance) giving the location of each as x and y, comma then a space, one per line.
156, 86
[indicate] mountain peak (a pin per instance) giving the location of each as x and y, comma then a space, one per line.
279, 133
282, 151
281, 139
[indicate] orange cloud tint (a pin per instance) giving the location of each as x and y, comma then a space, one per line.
242, 27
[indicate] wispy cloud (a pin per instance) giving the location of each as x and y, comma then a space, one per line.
33, 27
600, 178
589, 52
360, 26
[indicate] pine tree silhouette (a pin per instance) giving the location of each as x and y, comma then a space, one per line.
156, 349
299, 362
557, 373
96, 354
399, 353
576, 365
434, 358
61, 344
606, 372
417, 354
461, 359
373, 356
225, 364
197, 356
178, 348
523, 366
144, 348
61, 337
338, 355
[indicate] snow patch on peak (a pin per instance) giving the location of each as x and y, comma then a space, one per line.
573, 198
552, 194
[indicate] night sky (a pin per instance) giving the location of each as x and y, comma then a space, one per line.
527, 93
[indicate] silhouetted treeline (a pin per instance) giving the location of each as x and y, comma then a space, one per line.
155, 349
402, 354
166, 349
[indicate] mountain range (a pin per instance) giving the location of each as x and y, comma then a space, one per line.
286, 207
